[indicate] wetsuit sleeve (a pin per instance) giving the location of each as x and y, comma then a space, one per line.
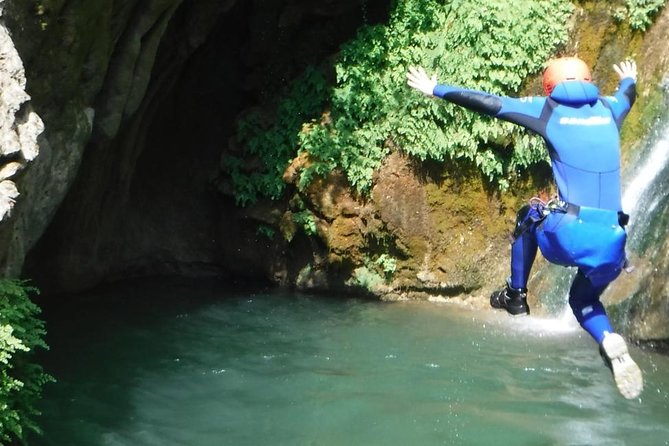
522, 111
621, 102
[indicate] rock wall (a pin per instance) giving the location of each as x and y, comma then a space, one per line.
88, 66
138, 100
20, 128
133, 203
113, 132
448, 231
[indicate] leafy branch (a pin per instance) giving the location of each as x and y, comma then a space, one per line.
491, 46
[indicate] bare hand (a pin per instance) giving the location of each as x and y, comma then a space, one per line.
626, 69
418, 79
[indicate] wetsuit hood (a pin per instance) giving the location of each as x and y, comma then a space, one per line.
575, 93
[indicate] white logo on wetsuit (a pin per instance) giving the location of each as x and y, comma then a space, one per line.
592, 120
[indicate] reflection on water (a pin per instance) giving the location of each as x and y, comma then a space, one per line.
179, 364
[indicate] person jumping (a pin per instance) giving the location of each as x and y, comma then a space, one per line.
584, 226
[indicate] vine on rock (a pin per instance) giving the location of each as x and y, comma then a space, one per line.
639, 13
491, 46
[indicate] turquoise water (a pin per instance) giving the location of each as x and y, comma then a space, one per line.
179, 364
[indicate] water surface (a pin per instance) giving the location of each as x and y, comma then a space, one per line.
185, 364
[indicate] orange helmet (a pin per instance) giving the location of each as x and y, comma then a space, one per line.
565, 69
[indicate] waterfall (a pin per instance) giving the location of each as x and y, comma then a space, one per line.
646, 199
646, 189
644, 311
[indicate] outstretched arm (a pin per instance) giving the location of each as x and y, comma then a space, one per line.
474, 100
524, 111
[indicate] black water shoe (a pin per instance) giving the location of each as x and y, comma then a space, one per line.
512, 300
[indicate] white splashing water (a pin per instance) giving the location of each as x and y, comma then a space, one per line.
646, 173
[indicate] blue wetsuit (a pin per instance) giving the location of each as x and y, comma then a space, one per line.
581, 130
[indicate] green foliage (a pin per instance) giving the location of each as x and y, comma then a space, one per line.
303, 217
266, 231
491, 46
374, 273
21, 381
306, 220
388, 264
272, 142
638, 13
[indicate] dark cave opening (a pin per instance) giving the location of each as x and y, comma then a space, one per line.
142, 204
